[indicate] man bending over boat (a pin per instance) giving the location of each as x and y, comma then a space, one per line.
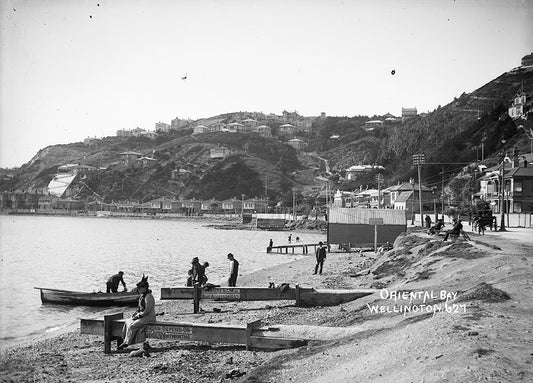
133, 330
113, 281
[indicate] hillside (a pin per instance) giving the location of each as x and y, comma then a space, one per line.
450, 137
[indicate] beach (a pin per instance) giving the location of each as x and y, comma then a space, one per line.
443, 311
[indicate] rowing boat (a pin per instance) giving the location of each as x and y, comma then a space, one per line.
65, 297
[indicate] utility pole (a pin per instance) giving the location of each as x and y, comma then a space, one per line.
419, 160
379, 180
294, 204
502, 190
412, 182
442, 194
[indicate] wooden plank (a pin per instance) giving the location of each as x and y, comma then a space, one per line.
108, 331
272, 343
231, 293
92, 326
185, 331
249, 329
331, 297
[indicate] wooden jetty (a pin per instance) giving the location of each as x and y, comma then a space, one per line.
285, 248
252, 335
302, 296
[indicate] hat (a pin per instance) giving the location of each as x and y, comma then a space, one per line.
230, 255
143, 282
320, 243
121, 272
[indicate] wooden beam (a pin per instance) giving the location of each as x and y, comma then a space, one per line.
303, 296
108, 331
111, 329
231, 293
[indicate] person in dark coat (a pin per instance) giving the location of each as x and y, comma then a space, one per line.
320, 257
456, 229
113, 282
428, 221
233, 270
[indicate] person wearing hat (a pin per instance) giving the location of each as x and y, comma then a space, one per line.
113, 281
320, 257
233, 270
132, 332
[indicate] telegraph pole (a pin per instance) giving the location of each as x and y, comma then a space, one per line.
379, 180
419, 160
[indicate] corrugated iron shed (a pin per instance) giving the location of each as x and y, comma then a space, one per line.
363, 216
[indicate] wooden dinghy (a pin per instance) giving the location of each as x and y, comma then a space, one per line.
302, 296
65, 297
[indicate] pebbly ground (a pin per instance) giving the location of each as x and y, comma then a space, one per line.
485, 335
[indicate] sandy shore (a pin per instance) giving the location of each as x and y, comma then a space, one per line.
485, 335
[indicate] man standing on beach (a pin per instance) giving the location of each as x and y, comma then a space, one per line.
113, 281
320, 257
233, 270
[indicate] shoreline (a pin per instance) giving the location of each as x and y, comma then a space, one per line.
489, 341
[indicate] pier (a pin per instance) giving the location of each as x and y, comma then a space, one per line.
284, 249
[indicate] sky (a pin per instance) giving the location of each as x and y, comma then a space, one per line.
72, 69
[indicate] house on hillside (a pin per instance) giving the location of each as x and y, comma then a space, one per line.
219, 153
296, 144
527, 60
372, 124
353, 171
263, 131
235, 127
200, 129
287, 130
521, 106
129, 159
291, 117
249, 123
161, 127
146, 162
408, 113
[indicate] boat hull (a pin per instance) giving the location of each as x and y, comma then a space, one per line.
76, 298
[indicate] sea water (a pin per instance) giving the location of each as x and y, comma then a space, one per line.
80, 253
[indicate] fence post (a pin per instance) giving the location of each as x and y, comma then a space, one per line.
196, 299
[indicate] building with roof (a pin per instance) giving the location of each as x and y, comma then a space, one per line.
408, 113
199, 129
517, 191
129, 159
405, 196
296, 143
527, 60
287, 130
372, 124
263, 131
353, 171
